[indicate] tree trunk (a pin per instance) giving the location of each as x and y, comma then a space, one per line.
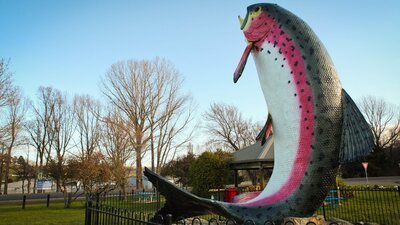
1, 175
29, 185
6, 172
36, 174
23, 188
139, 171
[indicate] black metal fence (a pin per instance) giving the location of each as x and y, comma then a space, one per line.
378, 205
122, 208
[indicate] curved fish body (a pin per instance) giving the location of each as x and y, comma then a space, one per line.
316, 124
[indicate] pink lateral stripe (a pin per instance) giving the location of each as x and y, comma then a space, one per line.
281, 40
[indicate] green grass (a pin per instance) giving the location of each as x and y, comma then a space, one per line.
36, 213
367, 206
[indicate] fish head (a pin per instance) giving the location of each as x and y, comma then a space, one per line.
256, 27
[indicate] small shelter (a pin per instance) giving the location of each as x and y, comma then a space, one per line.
255, 157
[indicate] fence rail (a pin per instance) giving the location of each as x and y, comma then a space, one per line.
378, 205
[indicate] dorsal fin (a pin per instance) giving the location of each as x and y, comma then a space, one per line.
357, 139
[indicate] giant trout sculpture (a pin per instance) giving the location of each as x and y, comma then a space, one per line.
316, 125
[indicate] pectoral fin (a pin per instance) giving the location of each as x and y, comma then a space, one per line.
266, 131
357, 139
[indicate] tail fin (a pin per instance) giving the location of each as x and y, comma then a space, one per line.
180, 203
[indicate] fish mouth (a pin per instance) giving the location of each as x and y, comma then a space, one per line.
254, 33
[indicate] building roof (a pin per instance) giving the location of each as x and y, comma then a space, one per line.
255, 156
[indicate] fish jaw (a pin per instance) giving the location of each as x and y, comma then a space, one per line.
255, 27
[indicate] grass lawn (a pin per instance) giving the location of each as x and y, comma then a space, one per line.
369, 206
36, 213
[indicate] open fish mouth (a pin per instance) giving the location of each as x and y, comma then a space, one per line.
254, 33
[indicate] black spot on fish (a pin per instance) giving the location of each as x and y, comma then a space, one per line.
311, 51
288, 21
300, 106
269, 52
302, 90
312, 133
276, 59
309, 67
288, 39
327, 142
305, 119
301, 186
288, 82
282, 65
301, 46
280, 51
306, 173
291, 72
261, 49
294, 28
284, 59
311, 162
283, 44
298, 82
307, 128
296, 63
309, 98
308, 111
292, 47
282, 32
303, 57
269, 208
312, 146
307, 40
295, 94
320, 130
275, 43
301, 73
307, 82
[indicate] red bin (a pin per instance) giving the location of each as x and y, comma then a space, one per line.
230, 194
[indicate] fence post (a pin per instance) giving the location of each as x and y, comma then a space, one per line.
168, 219
23, 201
323, 209
48, 201
88, 212
97, 207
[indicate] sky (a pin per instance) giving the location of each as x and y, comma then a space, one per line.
70, 45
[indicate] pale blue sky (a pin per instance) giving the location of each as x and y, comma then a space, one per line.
70, 44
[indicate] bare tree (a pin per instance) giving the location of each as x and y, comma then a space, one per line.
226, 125
12, 136
117, 147
87, 114
39, 128
62, 129
5, 88
384, 120
5, 82
170, 114
134, 88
